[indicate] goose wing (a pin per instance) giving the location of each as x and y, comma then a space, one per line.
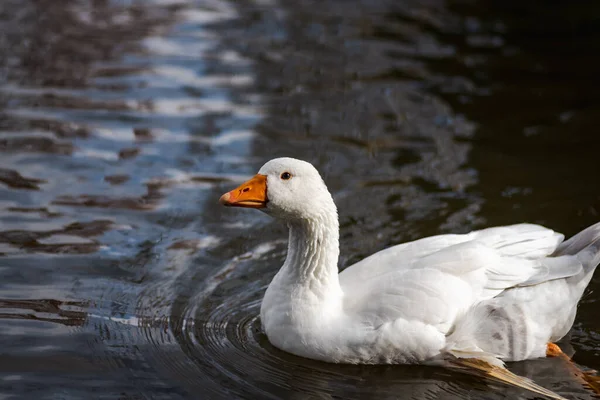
435, 280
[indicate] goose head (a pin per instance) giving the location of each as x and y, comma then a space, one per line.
285, 188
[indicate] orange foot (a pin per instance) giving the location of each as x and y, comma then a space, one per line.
552, 350
590, 380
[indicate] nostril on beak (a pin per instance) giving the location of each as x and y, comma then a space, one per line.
246, 189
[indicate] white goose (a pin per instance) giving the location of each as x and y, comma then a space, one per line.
470, 301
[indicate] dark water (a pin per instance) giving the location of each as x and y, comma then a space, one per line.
121, 123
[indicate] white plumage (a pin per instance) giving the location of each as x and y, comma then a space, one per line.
498, 294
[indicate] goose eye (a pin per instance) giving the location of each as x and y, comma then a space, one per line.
285, 176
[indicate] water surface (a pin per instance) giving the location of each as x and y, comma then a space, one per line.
122, 122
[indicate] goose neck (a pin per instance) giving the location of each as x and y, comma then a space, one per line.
313, 251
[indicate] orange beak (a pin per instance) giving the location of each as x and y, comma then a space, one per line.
250, 194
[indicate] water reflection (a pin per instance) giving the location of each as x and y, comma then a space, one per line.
116, 119
74, 238
44, 310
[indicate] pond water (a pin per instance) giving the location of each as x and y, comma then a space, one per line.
122, 122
